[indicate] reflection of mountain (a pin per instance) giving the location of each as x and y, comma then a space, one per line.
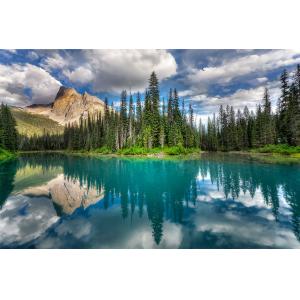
163, 186
31, 176
42, 176
67, 194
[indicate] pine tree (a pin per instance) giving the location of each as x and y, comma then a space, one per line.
155, 116
8, 131
268, 135
139, 116
147, 139
163, 127
297, 125
283, 108
131, 121
123, 125
292, 116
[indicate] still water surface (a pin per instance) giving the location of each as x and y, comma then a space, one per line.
59, 201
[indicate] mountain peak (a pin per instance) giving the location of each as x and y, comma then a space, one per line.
69, 105
64, 91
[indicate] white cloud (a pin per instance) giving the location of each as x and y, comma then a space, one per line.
15, 79
32, 55
54, 61
262, 79
80, 75
200, 79
239, 99
113, 70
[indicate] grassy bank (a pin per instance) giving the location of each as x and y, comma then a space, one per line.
141, 151
292, 151
4, 155
267, 154
283, 154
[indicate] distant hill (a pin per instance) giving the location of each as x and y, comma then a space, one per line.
30, 124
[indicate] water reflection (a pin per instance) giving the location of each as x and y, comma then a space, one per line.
57, 201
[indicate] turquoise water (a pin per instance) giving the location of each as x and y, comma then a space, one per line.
58, 201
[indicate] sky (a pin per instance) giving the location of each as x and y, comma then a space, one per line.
206, 78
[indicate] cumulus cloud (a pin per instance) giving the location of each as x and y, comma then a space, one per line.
201, 79
23, 84
112, 70
206, 105
53, 61
17, 228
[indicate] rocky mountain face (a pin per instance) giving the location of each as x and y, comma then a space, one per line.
68, 106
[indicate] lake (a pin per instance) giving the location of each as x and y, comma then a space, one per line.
217, 201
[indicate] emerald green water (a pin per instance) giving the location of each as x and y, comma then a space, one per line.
59, 201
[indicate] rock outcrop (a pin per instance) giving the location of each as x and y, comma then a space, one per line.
68, 106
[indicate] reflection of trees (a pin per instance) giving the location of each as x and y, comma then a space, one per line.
271, 180
162, 186
291, 189
8, 171
46, 160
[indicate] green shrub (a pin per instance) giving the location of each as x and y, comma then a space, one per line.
133, 151
136, 150
280, 149
103, 150
175, 150
4, 154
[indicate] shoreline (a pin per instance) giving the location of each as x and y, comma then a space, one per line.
251, 155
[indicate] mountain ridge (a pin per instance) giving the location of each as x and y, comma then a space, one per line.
68, 106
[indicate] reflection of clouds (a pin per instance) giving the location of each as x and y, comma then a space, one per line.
106, 229
23, 219
238, 227
77, 227
172, 237
208, 192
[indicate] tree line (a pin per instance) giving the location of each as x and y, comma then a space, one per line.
238, 130
8, 131
152, 123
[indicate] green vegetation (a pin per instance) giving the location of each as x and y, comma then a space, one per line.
279, 149
31, 124
4, 154
142, 151
103, 150
175, 150
8, 133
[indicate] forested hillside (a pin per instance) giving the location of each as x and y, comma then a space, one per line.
33, 124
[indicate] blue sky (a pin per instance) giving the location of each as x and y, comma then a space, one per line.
207, 78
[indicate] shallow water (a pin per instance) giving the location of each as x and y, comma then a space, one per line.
59, 201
